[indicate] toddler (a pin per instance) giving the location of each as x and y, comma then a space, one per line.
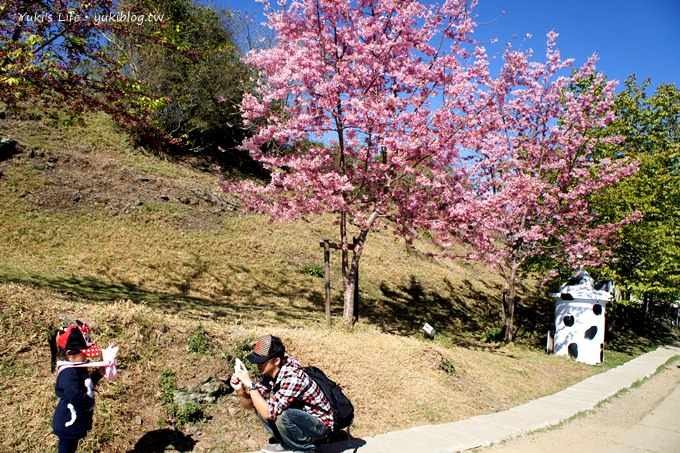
71, 347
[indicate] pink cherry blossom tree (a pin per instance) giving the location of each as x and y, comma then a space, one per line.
362, 109
536, 170
385, 109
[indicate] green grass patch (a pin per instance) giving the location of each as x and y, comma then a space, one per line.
315, 270
198, 342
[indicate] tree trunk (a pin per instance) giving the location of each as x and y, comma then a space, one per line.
510, 300
347, 292
645, 299
350, 280
327, 278
350, 270
348, 298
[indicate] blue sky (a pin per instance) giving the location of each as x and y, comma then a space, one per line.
630, 36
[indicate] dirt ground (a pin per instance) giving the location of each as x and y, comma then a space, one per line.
602, 426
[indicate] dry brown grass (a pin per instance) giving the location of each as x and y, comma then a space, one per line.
394, 381
146, 275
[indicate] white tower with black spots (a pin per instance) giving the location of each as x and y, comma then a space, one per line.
579, 318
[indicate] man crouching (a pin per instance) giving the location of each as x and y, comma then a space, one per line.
291, 406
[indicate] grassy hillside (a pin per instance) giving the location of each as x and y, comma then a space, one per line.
167, 267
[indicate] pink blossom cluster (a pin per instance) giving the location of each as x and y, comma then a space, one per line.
387, 109
536, 167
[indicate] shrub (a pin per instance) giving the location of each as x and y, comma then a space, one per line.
447, 366
198, 343
315, 270
178, 415
493, 335
189, 413
167, 384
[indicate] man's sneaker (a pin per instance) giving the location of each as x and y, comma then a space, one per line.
274, 448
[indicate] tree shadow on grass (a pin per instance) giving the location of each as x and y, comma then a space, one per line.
99, 290
103, 290
629, 331
160, 439
534, 317
406, 308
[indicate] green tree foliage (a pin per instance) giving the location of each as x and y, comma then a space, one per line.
648, 252
52, 52
190, 61
169, 71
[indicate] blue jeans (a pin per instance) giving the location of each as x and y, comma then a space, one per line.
296, 429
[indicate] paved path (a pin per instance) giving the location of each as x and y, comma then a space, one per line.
659, 431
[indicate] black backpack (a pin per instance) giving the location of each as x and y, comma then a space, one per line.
343, 410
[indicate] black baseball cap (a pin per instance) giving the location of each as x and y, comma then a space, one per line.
267, 348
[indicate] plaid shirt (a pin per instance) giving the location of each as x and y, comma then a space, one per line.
294, 388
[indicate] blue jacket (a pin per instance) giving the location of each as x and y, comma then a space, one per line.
73, 416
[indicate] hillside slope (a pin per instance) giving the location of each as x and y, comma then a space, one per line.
85, 212
159, 261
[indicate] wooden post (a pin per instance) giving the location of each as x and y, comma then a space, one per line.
356, 287
356, 296
327, 274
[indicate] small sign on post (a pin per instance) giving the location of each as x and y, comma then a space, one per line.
429, 330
